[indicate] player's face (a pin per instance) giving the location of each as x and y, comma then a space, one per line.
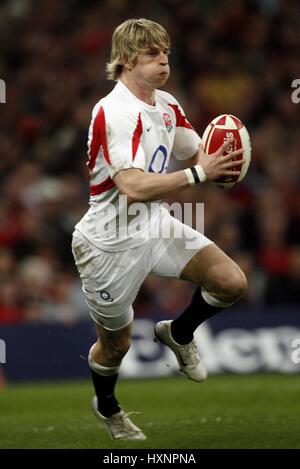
152, 68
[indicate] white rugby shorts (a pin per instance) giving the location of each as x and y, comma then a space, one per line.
111, 280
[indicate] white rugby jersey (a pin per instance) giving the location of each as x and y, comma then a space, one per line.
126, 132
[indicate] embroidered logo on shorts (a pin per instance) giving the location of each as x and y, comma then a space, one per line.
105, 295
168, 122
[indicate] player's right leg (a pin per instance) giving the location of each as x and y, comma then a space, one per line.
110, 282
105, 358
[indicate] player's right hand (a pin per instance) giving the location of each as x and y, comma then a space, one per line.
216, 165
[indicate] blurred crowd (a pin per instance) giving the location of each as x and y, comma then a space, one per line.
237, 57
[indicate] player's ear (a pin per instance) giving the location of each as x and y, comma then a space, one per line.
128, 66
130, 63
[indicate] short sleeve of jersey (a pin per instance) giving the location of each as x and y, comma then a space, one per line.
186, 141
120, 136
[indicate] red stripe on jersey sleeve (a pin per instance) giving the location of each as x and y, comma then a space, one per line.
98, 140
137, 136
102, 186
181, 120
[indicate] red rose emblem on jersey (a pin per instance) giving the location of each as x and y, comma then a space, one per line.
168, 122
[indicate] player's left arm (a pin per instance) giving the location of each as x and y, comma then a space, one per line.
196, 158
187, 141
193, 160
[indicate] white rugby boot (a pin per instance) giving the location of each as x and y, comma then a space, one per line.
119, 426
187, 355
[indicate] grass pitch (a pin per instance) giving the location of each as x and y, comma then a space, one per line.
229, 411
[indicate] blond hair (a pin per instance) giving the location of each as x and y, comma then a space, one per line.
130, 39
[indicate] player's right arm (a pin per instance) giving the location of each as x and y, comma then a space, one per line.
139, 186
117, 132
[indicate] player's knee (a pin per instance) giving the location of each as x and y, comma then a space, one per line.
235, 285
230, 283
117, 349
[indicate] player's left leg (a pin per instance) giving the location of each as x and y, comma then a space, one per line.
221, 283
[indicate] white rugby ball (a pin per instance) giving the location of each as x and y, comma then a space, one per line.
223, 128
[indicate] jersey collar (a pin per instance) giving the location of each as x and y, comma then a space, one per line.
123, 88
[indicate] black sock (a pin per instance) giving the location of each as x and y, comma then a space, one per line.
104, 387
184, 326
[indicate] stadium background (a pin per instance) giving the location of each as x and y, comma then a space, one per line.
237, 57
